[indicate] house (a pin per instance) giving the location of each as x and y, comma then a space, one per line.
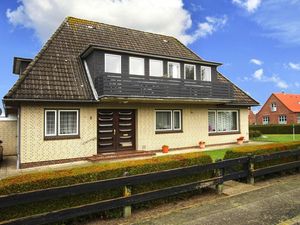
96, 88
280, 108
252, 117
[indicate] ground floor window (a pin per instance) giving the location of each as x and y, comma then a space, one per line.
298, 118
61, 122
266, 120
168, 120
222, 121
282, 119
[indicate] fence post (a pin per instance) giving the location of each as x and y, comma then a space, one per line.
127, 193
219, 173
250, 179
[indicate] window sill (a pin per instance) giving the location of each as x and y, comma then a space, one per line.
47, 138
223, 133
169, 132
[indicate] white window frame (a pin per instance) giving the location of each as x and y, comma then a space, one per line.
178, 67
207, 67
173, 111
55, 125
194, 66
273, 107
266, 122
77, 125
150, 68
105, 63
130, 65
282, 121
216, 120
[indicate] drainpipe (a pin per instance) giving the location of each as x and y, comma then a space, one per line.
18, 137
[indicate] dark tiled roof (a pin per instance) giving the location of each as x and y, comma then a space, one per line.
57, 72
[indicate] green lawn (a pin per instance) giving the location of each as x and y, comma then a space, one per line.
216, 154
277, 137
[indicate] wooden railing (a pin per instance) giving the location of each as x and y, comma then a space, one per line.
160, 87
231, 169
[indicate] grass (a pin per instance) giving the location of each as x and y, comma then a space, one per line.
278, 137
216, 154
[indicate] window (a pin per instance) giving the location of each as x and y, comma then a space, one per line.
189, 72
136, 66
68, 122
50, 123
273, 107
222, 121
266, 120
112, 63
298, 118
61, 123
156, 68
168, 120
173, 70
282, 119
205, 73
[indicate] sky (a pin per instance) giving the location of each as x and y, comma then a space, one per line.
256, 40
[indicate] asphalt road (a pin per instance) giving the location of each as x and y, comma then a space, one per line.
274, 204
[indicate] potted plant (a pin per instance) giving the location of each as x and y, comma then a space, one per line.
165, 148
201, 144
240, 140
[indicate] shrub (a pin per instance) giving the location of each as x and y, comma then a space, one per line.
276, 129
96, 172
254, 133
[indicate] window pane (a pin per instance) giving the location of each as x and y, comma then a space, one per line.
227, 121
205, 73
176, 119
174, 70
50, 123
189, 72
68, 122
211, 122
136, 66
156, 68
112, 63
163, 121
298, 118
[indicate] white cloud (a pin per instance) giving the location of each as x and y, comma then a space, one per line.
294, 66
167, 17
258, 74
256, 62
249, 5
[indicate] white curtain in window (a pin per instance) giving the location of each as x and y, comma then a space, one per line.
156, 68
211, 121
174, 70
205, 73
50, 123
68, 122
189, 72
227, 121
136, 66
176, 119
163, 121
112, 63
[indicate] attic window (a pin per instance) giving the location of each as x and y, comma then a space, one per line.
166, 41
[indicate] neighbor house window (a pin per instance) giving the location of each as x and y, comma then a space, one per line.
266, 120
298, 118
282, 119
189, 72
205, 73
156, 68
168, 120
273, 107
112, 63
61, 122
222, 121
173, 70
136, 66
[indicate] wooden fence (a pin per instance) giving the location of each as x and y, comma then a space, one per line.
232, 169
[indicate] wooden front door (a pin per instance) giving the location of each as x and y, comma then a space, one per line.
116, 130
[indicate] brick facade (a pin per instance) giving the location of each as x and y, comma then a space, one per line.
292, 117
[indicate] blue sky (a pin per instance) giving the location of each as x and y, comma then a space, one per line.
257, 41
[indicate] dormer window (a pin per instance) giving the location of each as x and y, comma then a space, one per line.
136, 66
205, 73
112, 63
156, 68
173, 70
189, 72
273, 107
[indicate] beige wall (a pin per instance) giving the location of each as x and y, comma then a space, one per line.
195, 125
8, 134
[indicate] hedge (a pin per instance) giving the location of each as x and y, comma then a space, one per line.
275, 129
99, 171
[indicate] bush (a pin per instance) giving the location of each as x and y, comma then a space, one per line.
275, 129
254, 133
96, 172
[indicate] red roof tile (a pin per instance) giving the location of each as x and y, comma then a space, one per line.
291, 101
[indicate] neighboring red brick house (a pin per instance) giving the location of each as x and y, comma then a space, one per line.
280, 108
251, 117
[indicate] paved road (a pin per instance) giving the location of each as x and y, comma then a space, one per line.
266, 206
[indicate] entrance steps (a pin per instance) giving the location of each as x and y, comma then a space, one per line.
120, 155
